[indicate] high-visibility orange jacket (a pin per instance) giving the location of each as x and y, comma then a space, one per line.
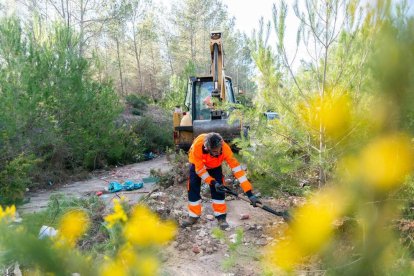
201, 158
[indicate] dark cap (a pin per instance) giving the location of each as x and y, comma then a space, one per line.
213, 140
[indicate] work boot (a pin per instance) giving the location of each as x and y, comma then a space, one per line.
188, 222
223, 223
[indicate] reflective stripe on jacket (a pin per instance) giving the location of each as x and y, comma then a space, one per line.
202, 160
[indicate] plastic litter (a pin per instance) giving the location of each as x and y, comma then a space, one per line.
149, 156
115, 187
47, 231
128, 185
150, 179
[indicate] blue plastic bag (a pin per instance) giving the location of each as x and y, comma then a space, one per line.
114, 187
128, 185
131, 185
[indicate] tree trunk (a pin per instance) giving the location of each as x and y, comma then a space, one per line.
138, 57
192, 46
120, 66
152, 75
67, 12
169, 55
322, 178
81, 28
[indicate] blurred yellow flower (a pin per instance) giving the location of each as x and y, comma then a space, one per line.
114, 268
126, 255
286, 254
311, 229
314, 221
348, 169
386, 161
7, 213
144, 228
332, 112
124, 262
118, 214
148, 266
72, 225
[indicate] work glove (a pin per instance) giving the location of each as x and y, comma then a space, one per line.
254, 200
219, 187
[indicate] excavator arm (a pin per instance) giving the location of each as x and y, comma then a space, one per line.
205, 115
217, 65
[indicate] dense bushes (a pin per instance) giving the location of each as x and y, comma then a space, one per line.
155, 134
139, 103
15, 178
53, 110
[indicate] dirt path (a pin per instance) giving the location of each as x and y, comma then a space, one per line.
219, 259
135, 172
196, 251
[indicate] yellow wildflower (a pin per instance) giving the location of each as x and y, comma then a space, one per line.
118, 214
114, 268
7, 213
145, 228
148, 266
311, 229
313, 224
331, 112
286, 254
72, 225
348, 169
126, 255
386, 161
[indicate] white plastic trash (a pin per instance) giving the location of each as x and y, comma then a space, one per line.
47, 231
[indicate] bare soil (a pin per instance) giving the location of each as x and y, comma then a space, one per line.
195, 251
99, 181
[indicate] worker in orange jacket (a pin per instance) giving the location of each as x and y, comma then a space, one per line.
206, 155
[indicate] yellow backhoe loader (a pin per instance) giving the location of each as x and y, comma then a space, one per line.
205, 95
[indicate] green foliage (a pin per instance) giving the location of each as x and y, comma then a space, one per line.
15, 178
179, 169
138, 102
155, 135
175, 95
58, 205
25, 242
282, 171
277, 161
358, 193
291, 153
83, 245
234, 246
406, 198
41, 253
392, 65
97, 240
53, 108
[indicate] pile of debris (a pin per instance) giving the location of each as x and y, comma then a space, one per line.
171, 203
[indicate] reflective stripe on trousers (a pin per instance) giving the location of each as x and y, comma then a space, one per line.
194, 187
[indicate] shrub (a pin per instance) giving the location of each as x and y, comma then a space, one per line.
138, 102
155, 136
15, 178
59, 112
79, 228
136, 111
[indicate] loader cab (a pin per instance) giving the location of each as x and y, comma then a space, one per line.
206, 102
199, 100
